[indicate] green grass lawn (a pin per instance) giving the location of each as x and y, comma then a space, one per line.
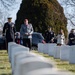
5, 68
64, 65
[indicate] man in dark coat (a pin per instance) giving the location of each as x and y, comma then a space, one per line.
72, 37
9, 31
49, 35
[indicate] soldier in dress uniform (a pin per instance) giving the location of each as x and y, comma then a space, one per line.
9, 31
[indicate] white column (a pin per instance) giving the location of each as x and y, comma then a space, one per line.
20, 55
14, 50
72, 55
40, 47
64, 52
32, 66
57, 52
10, 45
46, 48
51, 49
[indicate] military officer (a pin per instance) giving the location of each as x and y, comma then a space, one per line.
9, 31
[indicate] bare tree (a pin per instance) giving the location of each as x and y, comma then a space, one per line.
69, 7
1, 14
68, 2
5, 7
7, 4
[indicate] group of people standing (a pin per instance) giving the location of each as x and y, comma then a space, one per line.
60, 39
26, 30
51, 37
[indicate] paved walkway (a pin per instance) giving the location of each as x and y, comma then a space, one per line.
50, 70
